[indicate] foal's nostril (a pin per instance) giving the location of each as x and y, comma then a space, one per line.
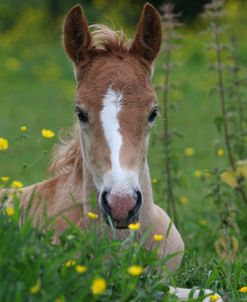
104, 202
138, 199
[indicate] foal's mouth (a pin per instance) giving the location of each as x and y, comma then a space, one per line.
120, 225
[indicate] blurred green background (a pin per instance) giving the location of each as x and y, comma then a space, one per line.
37, 90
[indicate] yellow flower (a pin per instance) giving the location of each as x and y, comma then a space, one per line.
183, 199
16, 184
12, 64
70, 262
92, 215
135, 270
47, 133
80, 269
207, 173
220, 152
158, 237
9, 211
4, 144
243, 289
98, 286
202, 222
5, 178
134, 226
154, 180
58, 300
214, 298
36, 288
189, 151
198, 173
23, 128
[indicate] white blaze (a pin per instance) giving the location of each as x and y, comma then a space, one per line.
109, 119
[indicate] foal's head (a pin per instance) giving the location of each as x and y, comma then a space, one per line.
116, 106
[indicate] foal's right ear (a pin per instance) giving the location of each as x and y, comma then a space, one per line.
76, 35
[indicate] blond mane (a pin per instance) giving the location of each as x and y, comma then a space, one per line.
108, 40
67, 154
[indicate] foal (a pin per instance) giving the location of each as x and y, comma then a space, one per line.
116, 108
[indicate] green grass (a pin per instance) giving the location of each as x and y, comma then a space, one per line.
37, 90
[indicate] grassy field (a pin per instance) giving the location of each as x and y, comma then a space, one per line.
37, 90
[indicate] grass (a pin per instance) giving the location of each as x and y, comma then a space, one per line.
37, 89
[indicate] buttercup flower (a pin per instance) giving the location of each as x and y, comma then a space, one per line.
220, 152
198, 173
80, 269
47, 133
135, 270
92, 215
23, 128
16, 184
202, 222
189, 152
158, 237
134, 226
214, 298
183, 199
4, 144
9, 210
70, 262
154, 180
98, 286
243, 289
36, 288
5, 178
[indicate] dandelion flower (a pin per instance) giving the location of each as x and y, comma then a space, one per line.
214, 298
134, 226
9, 210
47, 133
80, 269
5, 178
243, 289
16, 184
183, 199
98, 286
70, 262
4, 144
189, 151
158, 237
135, 270
92, 215
36, 288
198, 173
220, 152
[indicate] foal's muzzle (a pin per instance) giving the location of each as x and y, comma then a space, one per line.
122, 209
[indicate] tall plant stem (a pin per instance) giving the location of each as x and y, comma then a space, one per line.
223, 108
171, 207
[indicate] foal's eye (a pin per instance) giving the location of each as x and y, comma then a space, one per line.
82, 115
153, 114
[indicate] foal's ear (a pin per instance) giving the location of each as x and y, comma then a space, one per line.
77, 38
148, 37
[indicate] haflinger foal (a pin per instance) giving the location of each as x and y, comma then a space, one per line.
116, 107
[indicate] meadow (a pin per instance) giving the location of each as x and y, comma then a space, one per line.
37, 92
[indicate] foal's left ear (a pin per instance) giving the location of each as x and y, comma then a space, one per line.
148, 37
